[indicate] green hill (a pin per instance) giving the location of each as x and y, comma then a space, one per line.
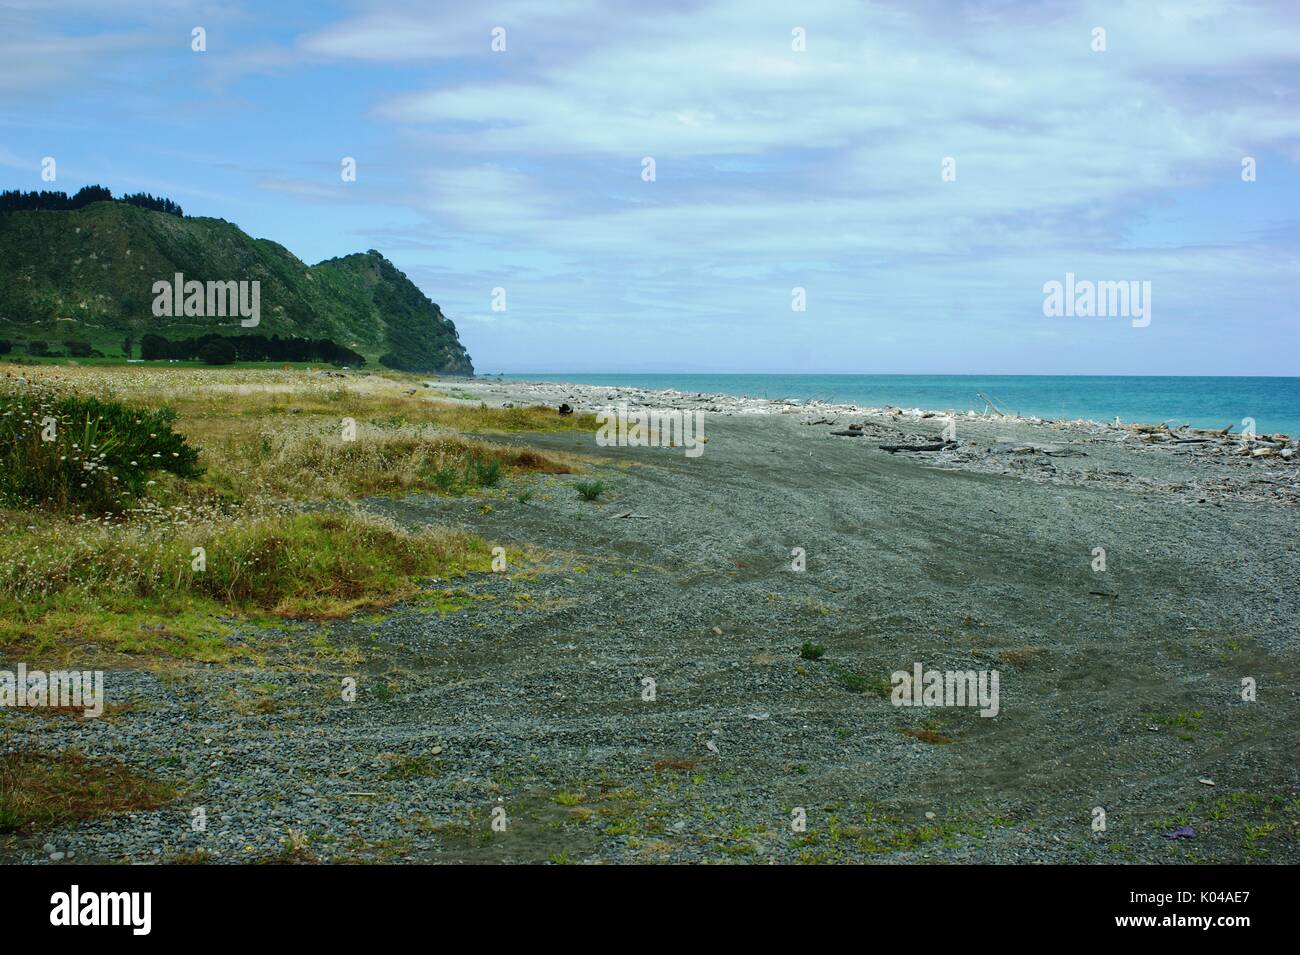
87, 275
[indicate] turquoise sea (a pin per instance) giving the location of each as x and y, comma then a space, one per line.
1207, 402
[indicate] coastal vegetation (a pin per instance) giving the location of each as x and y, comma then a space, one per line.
148, 511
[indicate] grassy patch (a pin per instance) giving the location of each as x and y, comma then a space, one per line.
70, 452
1184, 725
1018, 656
320, 465
928, 732
136, 589
412, 767
589, 490
40, 790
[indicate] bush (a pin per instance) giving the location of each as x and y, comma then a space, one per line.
70, 451
811, 651
589, 490
485, 473
6, 347
37, 348
218, 352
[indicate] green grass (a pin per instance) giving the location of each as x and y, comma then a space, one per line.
413, 767
73, 452
135, 589
589, 490
80, 566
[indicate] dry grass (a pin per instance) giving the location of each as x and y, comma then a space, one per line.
372, 400
281, 434
41, 790
125, 582
928, 736
681, 765
1018, 656
302, 464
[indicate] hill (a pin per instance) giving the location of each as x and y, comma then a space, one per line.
87, 275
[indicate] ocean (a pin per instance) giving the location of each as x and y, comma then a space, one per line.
1203, 402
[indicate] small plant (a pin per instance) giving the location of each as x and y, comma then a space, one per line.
928, 732
412, 767
71, 451
526, 495
444, 479
485, 473
853, 682
1018, 656
589, 490
811, 651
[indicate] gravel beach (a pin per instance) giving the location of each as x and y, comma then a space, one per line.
656, 681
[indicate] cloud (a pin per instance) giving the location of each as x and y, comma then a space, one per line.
777, 167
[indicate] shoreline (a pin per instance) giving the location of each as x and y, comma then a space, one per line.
723, 403
1201, 401
1215, 465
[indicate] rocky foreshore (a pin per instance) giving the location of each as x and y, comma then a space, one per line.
1218, 463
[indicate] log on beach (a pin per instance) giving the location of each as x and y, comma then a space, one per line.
894, 448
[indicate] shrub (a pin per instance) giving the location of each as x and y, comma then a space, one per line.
486, 473
218, 352
589, 490
811, 651
71, 451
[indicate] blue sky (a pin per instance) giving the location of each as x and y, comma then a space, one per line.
775, 168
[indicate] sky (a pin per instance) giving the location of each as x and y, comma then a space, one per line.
920, 168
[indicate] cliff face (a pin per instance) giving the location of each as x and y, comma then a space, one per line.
88, 275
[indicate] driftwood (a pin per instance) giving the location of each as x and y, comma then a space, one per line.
849, 434
893, 448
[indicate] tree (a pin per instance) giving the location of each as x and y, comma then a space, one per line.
78, 349
37, 348
88, 194
218, 352
154, 347
127, 344
6, 346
